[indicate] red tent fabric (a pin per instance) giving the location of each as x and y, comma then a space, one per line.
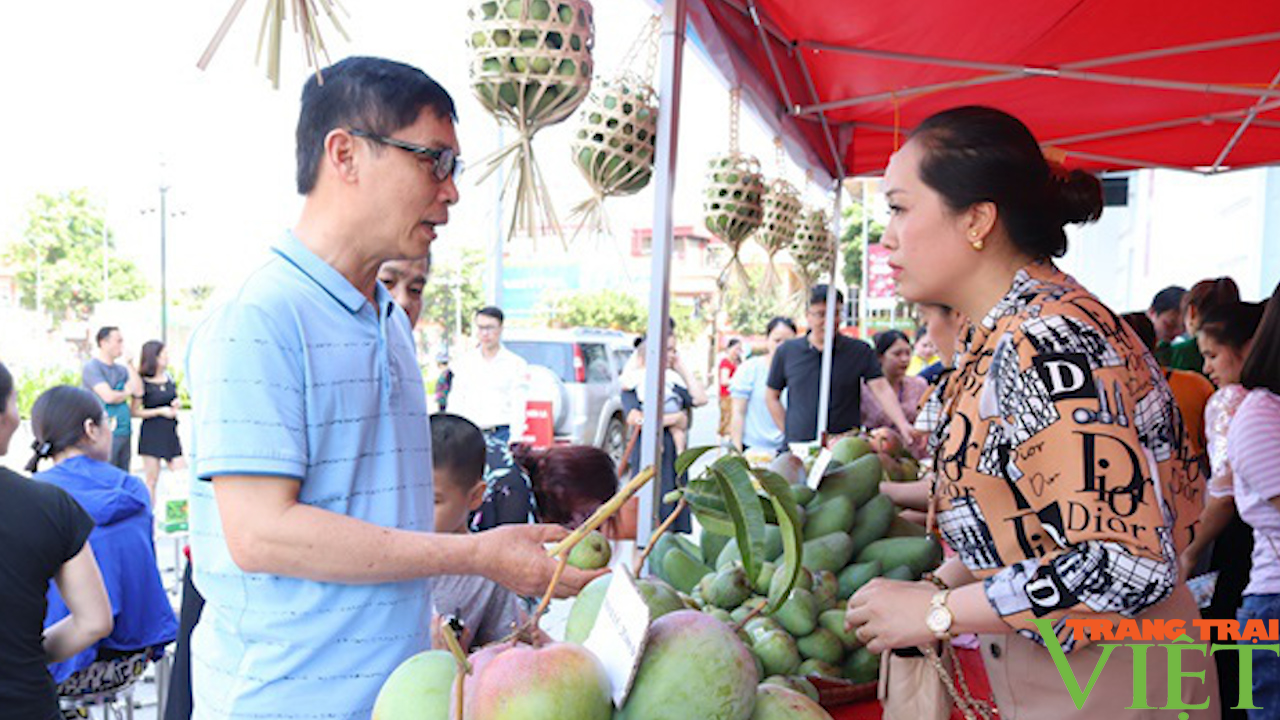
1104, 84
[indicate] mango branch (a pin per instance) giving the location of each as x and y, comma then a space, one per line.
602, 513
546, 597
460, 657
653, 540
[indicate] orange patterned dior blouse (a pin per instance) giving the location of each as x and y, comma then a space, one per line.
1064, 477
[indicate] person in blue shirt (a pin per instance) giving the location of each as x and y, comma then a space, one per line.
311, 503
72, 429
752, 426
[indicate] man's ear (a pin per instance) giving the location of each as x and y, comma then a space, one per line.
475, 497
340, 155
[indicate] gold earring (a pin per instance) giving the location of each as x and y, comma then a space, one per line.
976, 242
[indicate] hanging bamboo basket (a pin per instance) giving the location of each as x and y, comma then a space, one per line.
614, 146
812, 247
732, 204
780, 211
531, 67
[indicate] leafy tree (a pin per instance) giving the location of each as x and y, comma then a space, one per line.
851, 243
751, 309
618, 311
447, 284
602, 309
196, 296
64, 238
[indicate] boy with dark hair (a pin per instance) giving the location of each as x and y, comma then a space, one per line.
488, 612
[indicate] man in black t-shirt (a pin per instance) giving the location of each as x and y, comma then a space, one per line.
797, 368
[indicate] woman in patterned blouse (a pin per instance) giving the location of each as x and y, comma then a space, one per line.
1062, 474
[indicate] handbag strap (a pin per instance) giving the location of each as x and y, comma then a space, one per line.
971, 707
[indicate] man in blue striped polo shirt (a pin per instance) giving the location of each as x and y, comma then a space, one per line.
312, 512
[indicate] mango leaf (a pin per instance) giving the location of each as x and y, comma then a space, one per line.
689, 457
784, 505
734, 476
707, 503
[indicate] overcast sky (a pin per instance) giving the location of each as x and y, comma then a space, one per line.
99, 94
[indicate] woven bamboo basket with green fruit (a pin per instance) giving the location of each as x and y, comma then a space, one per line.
531, 67
732, 204
780, 211
614, 146
812, 248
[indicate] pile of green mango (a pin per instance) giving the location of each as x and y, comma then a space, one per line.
852, 534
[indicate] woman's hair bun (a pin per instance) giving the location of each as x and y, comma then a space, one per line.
1078, 195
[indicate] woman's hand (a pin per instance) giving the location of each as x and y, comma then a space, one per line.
889, 614
635, 418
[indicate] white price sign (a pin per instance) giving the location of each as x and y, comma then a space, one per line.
819, 469
620, 633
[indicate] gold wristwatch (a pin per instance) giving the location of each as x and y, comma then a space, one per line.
940, 617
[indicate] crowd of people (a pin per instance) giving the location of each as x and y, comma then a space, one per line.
330, 509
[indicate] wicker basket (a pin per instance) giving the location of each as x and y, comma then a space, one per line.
732, 204
780, 210
812, 249
531, 59
614, 147
531, 67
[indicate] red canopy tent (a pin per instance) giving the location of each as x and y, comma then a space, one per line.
1105, 84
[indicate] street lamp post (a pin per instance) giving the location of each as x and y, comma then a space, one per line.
164, 275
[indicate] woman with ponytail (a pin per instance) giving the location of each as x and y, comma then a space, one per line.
73, 434
1061, 473
43, 537
569, 481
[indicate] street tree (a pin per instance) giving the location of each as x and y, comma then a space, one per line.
851, 241
60, 255
454, 292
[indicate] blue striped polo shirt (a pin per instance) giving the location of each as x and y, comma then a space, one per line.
299, 376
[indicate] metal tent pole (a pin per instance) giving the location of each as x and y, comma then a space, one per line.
829, 326
671, 54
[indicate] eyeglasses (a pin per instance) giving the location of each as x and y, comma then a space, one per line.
445, 161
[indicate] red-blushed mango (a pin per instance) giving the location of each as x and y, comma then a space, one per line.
520, 682
778, 703
694, 667
419, 689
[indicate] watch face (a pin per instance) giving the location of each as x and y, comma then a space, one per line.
939, 620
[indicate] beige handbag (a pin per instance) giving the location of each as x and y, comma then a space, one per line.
918, 684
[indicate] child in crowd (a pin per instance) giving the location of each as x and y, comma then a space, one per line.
488, 611
73, 430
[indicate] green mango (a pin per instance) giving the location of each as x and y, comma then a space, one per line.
802, 494
820, 668
833, 622
687, 544
772, 548
855, 576
803, 580
591, 553
848, 449
780, 703
859, 480
799, 614
829, 552
764, 578
821, 644
834, 515
826, 588
872, 522
777, 652
902, 527
719, 614
919, 554
663, 546
712, 544
782, 681
805, 687
419, 689
659, 596
901, 572
729, 588
761, 624
861, 666
682, 571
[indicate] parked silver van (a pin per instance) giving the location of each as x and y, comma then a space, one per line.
578, 370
